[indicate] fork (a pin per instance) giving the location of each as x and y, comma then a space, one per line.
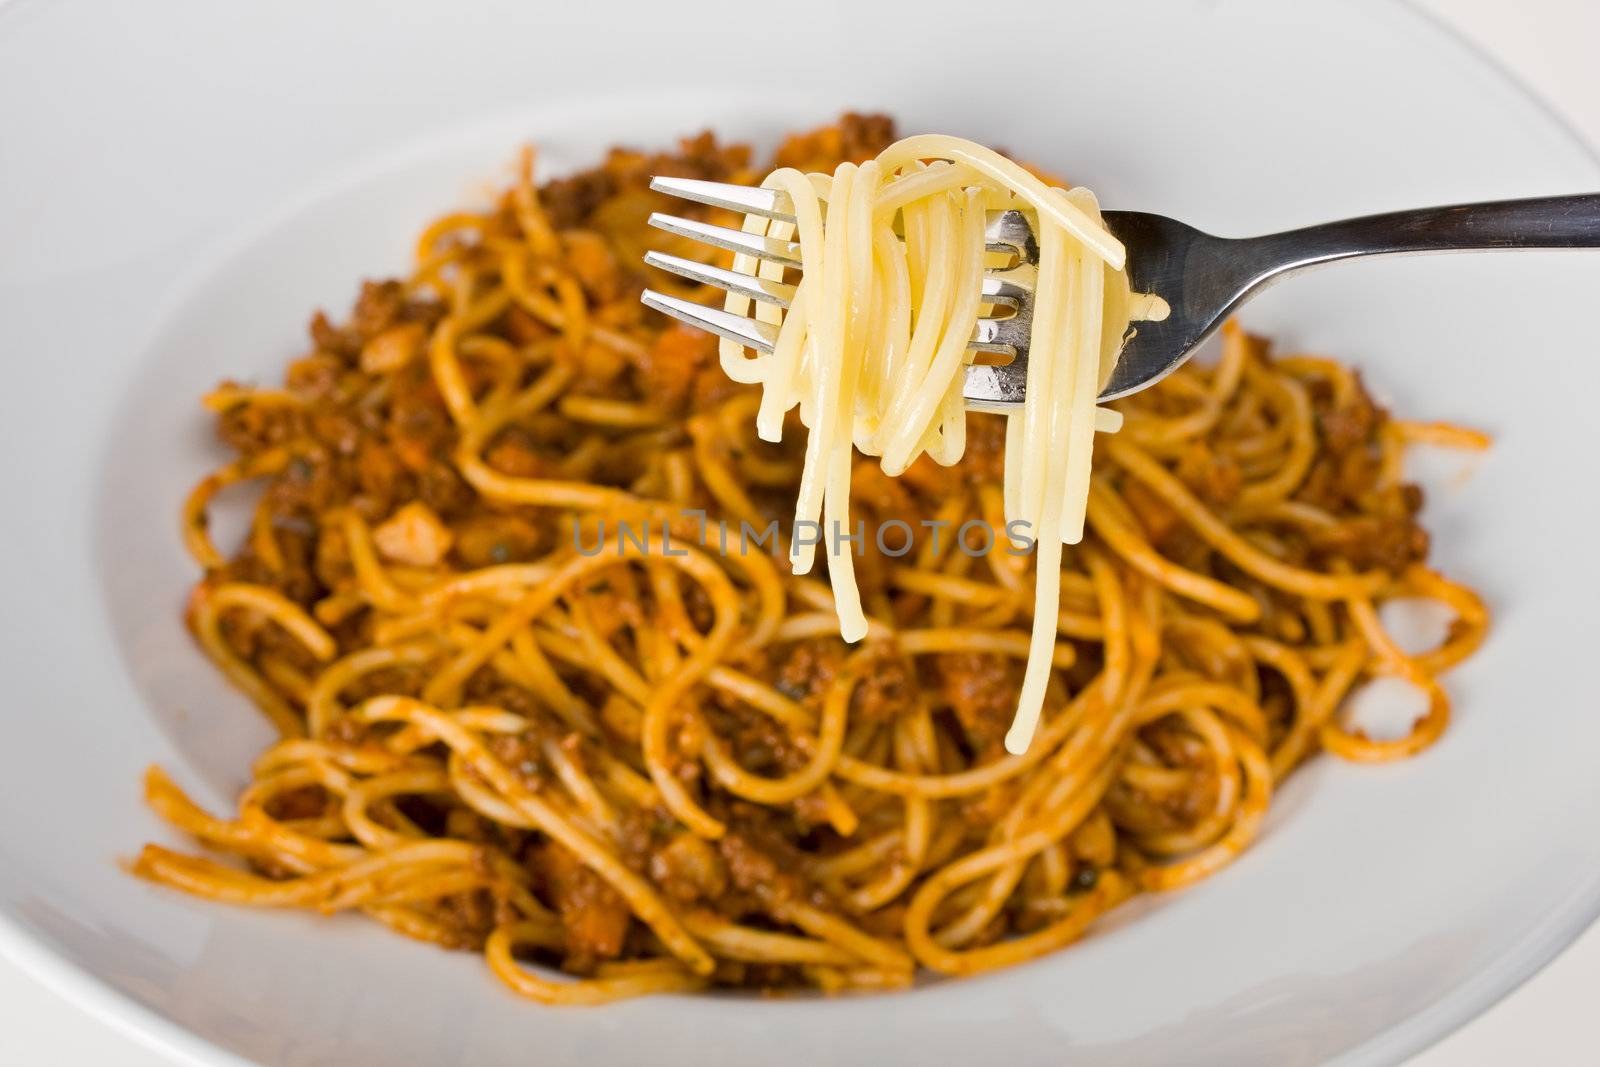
1202, 278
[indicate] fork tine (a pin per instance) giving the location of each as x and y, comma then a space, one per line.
763, 289
997, 389
1001, 335
1004, 229
761, 336
1004, 288
768, 248
751, 200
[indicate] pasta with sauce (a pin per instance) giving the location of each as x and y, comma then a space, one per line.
661, 771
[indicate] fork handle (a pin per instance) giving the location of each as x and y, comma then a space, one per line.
1537, 222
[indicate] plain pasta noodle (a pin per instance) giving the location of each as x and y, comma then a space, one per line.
874, 348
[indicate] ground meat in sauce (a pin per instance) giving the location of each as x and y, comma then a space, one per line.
981, 688
689, 869
520, 753
594, 915
670, 368
888, 687
855, 139
762, 867
808, 670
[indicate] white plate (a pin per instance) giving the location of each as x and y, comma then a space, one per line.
180, 182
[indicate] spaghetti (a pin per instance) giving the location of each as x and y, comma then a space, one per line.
657, 767
874, 345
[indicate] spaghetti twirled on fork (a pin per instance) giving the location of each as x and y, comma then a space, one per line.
508, 726
873, 347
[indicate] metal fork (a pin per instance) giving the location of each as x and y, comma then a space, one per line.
1202, 278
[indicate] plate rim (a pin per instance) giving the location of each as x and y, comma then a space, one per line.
1556, 932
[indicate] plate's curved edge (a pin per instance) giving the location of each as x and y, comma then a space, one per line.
1448, 1012
105, 1003
1489, 60
1455, 1008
